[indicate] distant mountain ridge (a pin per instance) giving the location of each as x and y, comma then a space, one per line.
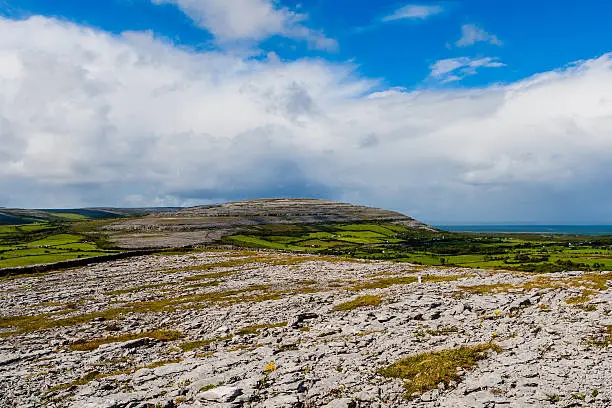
138, 228
19, 216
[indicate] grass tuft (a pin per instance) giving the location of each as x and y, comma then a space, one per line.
423, 372
255, 329
583, 298
361, 301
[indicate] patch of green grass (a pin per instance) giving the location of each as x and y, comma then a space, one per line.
59, 239
162, 335
211, 386
423, 372
360, 302
157, 364
388, 230
250, 241
527, 252
583, 298
4, 230
367, 333
384, 283
70, 216
44, 244
317, 238
255, 329
596, 281
46, 259
33, 323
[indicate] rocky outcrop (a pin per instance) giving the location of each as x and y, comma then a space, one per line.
262, 329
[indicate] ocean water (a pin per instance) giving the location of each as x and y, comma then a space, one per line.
590, 230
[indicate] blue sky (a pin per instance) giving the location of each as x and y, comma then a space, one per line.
452, 111
535, 36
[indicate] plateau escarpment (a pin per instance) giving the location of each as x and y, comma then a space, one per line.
219, 329
206, 224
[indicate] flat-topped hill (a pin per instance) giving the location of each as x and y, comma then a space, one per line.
299, 210
205, 224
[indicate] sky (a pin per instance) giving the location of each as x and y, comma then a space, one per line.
452, 112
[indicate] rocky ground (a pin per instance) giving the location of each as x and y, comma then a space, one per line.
261, 329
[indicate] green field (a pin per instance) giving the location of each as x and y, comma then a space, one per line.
526, 252
48, 242
33, 244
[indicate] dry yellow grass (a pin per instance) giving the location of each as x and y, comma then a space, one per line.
582, 298
423, 372
255, 329
361, 301
33, 323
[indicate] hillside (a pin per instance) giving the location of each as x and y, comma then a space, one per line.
396, 321
207, 224
19, 216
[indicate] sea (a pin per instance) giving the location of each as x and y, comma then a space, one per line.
585, 230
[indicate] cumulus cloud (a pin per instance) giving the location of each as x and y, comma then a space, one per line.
471, 34
87, 118
250, 20
455, 69
414, 12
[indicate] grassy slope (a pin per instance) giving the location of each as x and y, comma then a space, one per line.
32, 244
72, 238
393, 242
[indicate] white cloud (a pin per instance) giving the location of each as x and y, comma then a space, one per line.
92, 119
414, 12
471, 34
455, 69
250, 20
